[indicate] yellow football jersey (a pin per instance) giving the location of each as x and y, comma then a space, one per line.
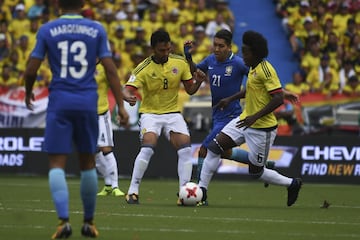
160, 84
261, 80
103, 88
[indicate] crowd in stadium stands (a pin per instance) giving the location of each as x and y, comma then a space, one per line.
325, 40
129, 24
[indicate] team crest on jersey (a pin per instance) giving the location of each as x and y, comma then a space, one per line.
254, 74
175, 70
228, 70
132, 78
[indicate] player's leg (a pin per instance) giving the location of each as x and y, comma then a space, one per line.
105, 159
259, 143
150, 130
85, 137
88, 190
140, 165
58, 143
101, 168
176, 131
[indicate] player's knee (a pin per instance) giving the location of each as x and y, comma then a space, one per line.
255, 171
202, 152
215, 147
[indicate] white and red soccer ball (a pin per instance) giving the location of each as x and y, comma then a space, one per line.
190, 194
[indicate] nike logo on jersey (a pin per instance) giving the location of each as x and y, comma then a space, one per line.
210, 67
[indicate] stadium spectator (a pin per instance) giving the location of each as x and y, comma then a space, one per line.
215, 25
311, 57
19, 23
4, 48
352, 88
298, 84
152, 22
323, 79
222, 6
172, 25
130, 23
36, 10
346, 71
341, 18
6, 79
202, 14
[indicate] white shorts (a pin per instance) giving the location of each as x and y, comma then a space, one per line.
105, 138
258, 141
166, 123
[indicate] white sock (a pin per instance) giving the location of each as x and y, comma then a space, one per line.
184, 165
211, 163
111, 170
273, 177
101, 166
141, 163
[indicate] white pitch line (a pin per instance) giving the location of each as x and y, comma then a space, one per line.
229, 219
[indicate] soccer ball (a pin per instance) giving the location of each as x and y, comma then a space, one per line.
190, 194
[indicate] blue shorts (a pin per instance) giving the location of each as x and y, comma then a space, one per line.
67, 127
218, 125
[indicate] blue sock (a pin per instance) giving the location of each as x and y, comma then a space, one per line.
199, 167
240, 155
88, 190
59, 192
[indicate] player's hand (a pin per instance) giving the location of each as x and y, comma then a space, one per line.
188, 49
292, 97
28, 99
123, 117
246, 122
199, 75
223, 103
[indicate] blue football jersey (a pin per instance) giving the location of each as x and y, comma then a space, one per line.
225, 80
73, 45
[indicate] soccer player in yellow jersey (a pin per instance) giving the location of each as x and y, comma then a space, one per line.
159, 77
105, 159
257, 124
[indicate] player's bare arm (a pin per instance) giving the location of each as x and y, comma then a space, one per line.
30, 77
114, 82
193, 85
292, 97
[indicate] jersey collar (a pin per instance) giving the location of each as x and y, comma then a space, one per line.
71, 16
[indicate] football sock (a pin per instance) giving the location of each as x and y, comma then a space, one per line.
273, 177
88, 190
59, 192
184, 165
111, 172
199, 167
239, 155
100, 165
141, 163
211, 163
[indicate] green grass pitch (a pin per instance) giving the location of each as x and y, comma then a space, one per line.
238, 210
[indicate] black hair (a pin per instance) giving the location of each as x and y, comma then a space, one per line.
159, 36
224, 34
257, 44
71, 4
